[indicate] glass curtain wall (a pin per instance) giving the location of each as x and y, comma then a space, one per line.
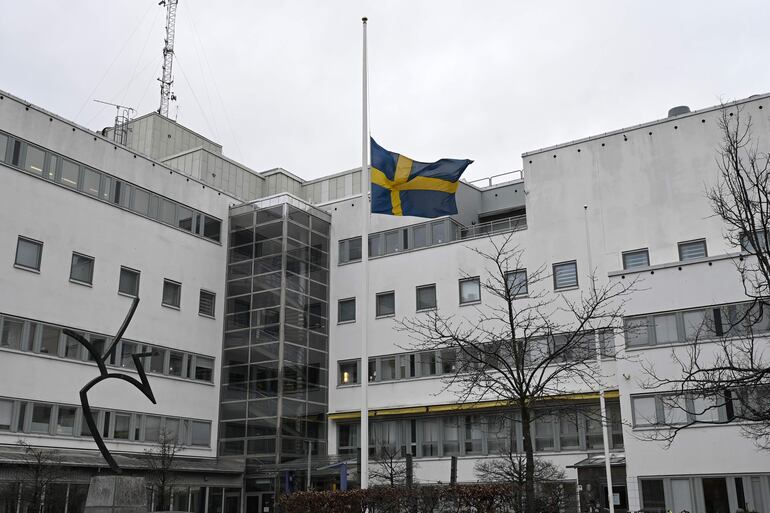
275, 351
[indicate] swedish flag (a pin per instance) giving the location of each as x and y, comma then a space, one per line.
403, 187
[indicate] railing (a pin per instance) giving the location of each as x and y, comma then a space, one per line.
515, 175
492, 227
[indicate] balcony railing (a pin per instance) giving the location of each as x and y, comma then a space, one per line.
510, 224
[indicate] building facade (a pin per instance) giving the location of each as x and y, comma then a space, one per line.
250, 292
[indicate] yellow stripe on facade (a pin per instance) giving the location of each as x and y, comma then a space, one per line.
439, 408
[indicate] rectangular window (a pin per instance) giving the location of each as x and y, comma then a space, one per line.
516, 282
141, 201
127, 349
665, 329
3, 146
473, 434
175, 362
82, 268
184, 218
420, 235
201, 433
653, 496
204, 368
70, 174
91, 181
674, 409
65, 422
151, 428
72, 348
428, 363
6, 414
470, 290
28, 253
637, 331
644, 410
448, 361
211, 228
569, 436
692, 249
438, 233
636, 258
206, 303
426, 297
388, 368
167, 211
375, 245
451, 436
429, 429
41, 418
544, 439
35, 160
392, 242
172, 292
354, 249
499, 435
386, 304
565, 275
122, 426
11, 335
346, 310
49, 340
348, 373
157, 359
129, 282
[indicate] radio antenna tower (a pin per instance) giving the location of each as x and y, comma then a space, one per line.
167, 80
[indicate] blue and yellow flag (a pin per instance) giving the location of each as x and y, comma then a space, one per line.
404, 187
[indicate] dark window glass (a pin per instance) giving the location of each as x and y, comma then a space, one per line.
34, 161
29, 253
386, 304
70, 174
91, 181
141, 202
426, 297
129, 282
470, 290
82, 269
346, 310
41, 418
207, 303
184, 218
212, 228
172, 292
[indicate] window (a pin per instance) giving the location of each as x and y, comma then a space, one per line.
428, 363
151, 428
122, 426
665, 328
6, 414
448, 361
11, 334
636, 258
426, 297
49, 340
386, 304
569, 436
347, 434
201, 433
175, 363
420, 236
544, 439
644, 411
28, 254
141, 203
674, 409
65, 422
438, 232
91, 181
41, 418
474, 434
388, 368
565, 275
129, 282
470, 290
430, 436
127, 350
172, 291
349, 372
653, 496
517, 282
35, 160
204, 368
346, 310
82, 269
212, 228
206, 303
747, 242
692, 250
451, 436
70, 174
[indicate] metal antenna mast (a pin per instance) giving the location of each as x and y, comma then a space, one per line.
166, 95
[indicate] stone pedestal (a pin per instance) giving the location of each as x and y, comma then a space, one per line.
116, 494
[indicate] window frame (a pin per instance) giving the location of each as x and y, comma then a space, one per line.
38, 244
138, 274
72, 266
167, 281
470, 279
377, 297
339, 310
691, 242
213, 296
564, 264
417, 290
513, 273
632, 252
357, 364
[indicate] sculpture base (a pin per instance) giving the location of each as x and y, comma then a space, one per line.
116, 494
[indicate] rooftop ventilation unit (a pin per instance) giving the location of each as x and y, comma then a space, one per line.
678, 111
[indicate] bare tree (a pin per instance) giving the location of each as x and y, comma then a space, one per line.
523, 350
510, 467
723, 373
160, 467
37, 472
388, 467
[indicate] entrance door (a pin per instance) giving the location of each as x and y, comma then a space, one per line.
715, 495
260, 503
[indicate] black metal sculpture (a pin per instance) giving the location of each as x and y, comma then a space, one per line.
143, 385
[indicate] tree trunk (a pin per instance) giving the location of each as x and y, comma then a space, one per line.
529, 467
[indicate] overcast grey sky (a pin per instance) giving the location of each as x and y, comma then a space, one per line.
278, 83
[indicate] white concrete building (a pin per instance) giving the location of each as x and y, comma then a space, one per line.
249, 287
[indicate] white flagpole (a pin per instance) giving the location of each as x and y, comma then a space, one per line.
363, 374
602, 403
